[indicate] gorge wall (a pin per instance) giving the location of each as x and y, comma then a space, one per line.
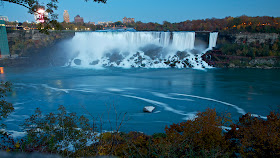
27, 42
245, 50
32, 48
240, 38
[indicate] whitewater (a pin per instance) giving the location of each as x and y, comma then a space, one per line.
138, 49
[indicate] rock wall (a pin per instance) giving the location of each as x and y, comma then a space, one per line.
26, 42
248, 38
256, 37
32, 48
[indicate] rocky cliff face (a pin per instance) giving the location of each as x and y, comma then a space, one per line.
234, 56
248, 38
218, 59
32, 48
25, 43
256, 37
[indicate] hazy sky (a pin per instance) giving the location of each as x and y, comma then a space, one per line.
152, 10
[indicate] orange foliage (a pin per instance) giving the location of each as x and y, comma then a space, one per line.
257, 137
204, 133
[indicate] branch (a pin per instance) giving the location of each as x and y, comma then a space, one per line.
17, 2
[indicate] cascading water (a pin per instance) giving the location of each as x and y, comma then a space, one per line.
213, 39
137, 49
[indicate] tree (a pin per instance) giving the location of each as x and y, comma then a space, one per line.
34, 5
5, 107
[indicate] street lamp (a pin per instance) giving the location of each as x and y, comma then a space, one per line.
40, 14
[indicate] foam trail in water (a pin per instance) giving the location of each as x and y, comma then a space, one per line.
55, 89
114, 90
255, 115
167, 97
239, 110
165, 106
14, 134
26, 85
191, 116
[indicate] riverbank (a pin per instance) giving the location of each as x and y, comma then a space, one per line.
220, 60
31, 48
15, 61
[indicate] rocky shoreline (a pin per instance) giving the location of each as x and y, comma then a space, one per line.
217, 59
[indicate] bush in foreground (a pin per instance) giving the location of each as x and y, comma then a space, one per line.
67, 134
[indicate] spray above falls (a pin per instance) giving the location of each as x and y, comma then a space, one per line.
138, 49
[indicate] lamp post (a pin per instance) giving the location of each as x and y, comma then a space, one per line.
40, 14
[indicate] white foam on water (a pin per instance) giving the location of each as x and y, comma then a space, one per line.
18, 104
15, 134
160, 104
157, 112
239, 110
136, 49
260, 116
55, 89
168, 97
114, 90
26, 85
191, 116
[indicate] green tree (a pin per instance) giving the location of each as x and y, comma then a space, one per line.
5, 107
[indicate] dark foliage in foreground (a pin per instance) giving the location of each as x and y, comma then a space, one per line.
67, 134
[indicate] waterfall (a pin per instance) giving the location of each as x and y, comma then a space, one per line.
213, 39
136, 49
183, 41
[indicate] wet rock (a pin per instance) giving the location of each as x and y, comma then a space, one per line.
78, 61
149, 109
94, 62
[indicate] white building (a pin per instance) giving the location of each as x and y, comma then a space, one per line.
104, 23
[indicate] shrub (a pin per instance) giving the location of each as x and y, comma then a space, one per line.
201, 135
256, 137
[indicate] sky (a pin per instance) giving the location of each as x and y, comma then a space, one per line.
151, 10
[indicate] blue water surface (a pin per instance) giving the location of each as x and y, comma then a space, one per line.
177, 94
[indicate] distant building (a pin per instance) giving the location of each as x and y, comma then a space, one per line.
128, 20
79, 19
66, 16
4, 47
5, 18
104, 23
91, 23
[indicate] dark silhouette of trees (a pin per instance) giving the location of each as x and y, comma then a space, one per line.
264, 24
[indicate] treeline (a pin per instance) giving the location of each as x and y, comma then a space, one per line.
264, 24
243, 23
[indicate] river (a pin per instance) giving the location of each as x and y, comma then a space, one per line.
177, 94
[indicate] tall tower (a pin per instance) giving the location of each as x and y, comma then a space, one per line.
66, 16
